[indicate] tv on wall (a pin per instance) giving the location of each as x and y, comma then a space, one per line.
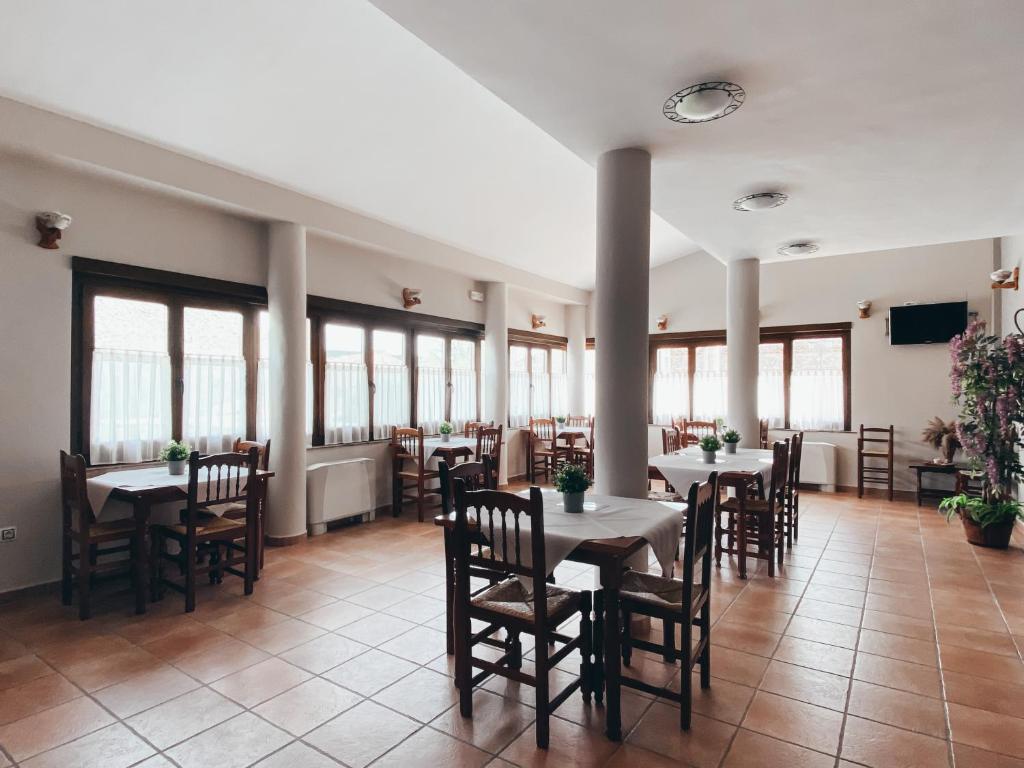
927, 323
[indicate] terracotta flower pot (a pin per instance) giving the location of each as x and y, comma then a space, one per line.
996, 536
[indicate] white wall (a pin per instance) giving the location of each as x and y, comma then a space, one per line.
904, 386
522, 304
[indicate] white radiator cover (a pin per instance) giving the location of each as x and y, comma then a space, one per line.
336, 490
818, 465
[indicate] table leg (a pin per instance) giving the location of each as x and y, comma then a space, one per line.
141, 514
920, 486
610, 580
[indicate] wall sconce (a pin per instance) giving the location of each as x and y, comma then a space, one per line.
538, 321
1004, 278
864, 306
411, 297
663, 323
50, 225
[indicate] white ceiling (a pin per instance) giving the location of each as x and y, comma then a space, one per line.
888, 122
331, 98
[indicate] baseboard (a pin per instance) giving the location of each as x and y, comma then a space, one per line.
876, 493
45, 589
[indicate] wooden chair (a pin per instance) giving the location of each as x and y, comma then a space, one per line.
263, 450
226, 479
543, 451
700, 428
236, 510
873, 473
488, 446
79, 526
670, 440
407, 446
792, 500
762, 429
685, 601
970, 483
686, 439
473, 427
519, 602
475, 474
750, 521
669, 494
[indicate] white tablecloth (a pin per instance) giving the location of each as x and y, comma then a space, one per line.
431, 444
603, 517
100, 487
684, 468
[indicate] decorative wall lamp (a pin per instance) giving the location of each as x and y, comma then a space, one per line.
411, 297
663, 323
864, 306
1004, 278
50, 225
538, 321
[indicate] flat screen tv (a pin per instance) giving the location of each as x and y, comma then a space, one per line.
927, 323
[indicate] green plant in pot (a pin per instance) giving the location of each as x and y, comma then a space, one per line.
709, 445
572, 482
560, 420
176, 455
988, 387
446, 430
731, 438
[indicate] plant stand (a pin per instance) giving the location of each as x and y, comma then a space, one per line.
930, 493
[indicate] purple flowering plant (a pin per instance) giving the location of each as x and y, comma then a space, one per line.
988, 385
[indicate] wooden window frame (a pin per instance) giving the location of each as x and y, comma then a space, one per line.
532, 340
781, 334
92, 277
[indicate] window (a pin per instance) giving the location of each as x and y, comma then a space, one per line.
816, 384
263, 382
431, 383
540, 384
538, 378
463, 382
671, 388
390, 383
803, 376
346, 385
213, 403
559, 383
518, 386
131, 381
590, 380
710, 383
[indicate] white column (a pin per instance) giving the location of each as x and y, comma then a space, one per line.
621, 304
742, 329
576, 332
285, 516
496, 364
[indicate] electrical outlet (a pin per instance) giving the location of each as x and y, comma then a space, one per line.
8, 534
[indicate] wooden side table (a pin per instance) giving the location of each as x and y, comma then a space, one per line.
934, 494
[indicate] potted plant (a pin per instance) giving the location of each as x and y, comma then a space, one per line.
560, 420
709, 445
572, 482
446, 430
176, 455
942, 435
988, 386
731, 438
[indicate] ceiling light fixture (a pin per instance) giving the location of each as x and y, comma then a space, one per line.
798, 249
704, 102
760, 201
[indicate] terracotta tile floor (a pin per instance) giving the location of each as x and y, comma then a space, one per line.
885, 641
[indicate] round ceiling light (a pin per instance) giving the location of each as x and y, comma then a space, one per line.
704, 102
760, 201
798, 249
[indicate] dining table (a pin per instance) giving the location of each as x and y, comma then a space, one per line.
610, 531
148, 495
687, 466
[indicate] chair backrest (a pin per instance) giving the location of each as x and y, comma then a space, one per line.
488, 443
762, 428
473, 427
579, 421
780, 473
475, 474
543, 430
796, 448
243, 446
870, 435
670, 440
498, 518
700, 428
228, 477
700, 522
75, 507
407, 443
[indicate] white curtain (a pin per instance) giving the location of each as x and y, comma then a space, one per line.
816, 384
430, 389
518, 398
540, 399
590, 381
463, 397
671, 396
346, 403
710, 393
213, 414
130, 405
263, 401
559, 394
390, 399
771, 393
